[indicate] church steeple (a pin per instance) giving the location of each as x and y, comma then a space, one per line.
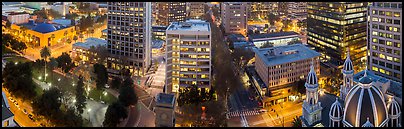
311, 107
348, 72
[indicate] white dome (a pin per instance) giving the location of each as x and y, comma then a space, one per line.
312, 77
336, 111
348, 66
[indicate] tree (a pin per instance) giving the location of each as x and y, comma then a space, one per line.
75, 38
48, 104
65, 62
80, 97
54, 14
70, 119
294, 41
18, 80
114, 114
297, 122
241, 56
116, 82
8, 24
127, 95
53, 63
272, 18
45, 53
101, 74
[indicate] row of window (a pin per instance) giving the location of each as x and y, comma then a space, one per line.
384, 57
386, 35
387, 42
388, 5
386, 20
388, 50
388, 28
386, 13
130, 54
386, 72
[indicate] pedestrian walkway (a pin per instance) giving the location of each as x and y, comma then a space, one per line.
246, 113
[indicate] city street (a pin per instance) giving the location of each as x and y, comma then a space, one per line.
19, 116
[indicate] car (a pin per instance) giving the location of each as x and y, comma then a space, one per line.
30, 116
25, 111
263, 110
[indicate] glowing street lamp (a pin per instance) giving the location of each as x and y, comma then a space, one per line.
59, 80
39, 77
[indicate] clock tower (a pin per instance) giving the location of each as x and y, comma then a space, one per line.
164, 109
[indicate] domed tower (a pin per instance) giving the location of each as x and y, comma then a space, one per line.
394, 112
347, 72
365, 101
336, 113
311, 107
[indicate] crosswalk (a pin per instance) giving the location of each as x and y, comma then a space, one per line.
246, 113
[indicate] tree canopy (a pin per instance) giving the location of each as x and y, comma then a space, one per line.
18, 80
101, 74
127, 95
114, 114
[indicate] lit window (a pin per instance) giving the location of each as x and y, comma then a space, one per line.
382, 70
375, 68
389, 58
382, 56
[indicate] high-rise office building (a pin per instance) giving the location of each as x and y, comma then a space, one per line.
168, 12
196, 10
385, 38
234, 17
188, 54
129, 37
297, 10
334, 27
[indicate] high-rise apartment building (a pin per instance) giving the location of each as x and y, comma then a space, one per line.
167, 12
385, 38
188, 55
129, 37
297, 10
334, 27
196, 10
234, 17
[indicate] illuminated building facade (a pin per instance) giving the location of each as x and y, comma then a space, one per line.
188, 55
279, 67
385, 38
82, 49
234, 17
196, 10
167, 12
129, 37
297, 10
334, 27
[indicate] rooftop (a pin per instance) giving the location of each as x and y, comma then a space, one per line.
272, 35
285, 54
5, 111
163, 98
46, 27
157, 43
190, 25
395, 87
104, 31
91, 42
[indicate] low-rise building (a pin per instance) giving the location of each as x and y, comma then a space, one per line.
274, 39
43, 34
82, 49
7, 117
18, 17
159, 32
104, 33
279, 67
164, 109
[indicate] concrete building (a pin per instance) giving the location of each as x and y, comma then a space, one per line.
129, 37
196, 10
279, 67
297, 10
165, 110
234, 17
18, 18
159, 32
274, 39
385, 38
82, 49
167, 12
157, 46
334, 27
7, 117
188, 54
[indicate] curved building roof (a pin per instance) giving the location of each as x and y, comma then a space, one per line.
365, 101
348, 66
44, 28
312, 77
394, 108
336, 110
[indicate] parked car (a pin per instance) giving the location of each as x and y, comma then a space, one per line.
25, 111
30, 116
263, 110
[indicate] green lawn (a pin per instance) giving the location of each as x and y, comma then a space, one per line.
96, 93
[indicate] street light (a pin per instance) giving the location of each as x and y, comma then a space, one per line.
39, 77
59, 80
16, 63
